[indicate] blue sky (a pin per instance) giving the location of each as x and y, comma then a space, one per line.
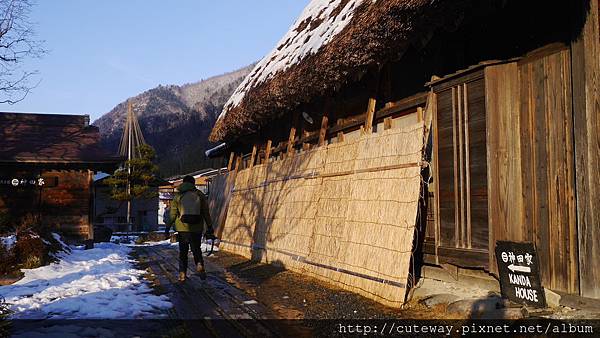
102, 52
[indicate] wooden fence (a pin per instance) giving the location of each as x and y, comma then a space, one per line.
344, 213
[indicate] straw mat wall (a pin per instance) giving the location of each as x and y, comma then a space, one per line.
344, 213
218, 199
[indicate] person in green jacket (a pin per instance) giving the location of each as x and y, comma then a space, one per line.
190, 215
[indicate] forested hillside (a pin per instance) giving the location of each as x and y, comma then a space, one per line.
175, 120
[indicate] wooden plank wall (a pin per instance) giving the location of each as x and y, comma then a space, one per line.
504, 154
18, 201
585, 61
531, 177
445, 162
67, 206
462, 175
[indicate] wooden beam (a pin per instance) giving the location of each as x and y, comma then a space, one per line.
291, 139
323, 131
406, 104
436, 180
238, 162
370, 115
467, 160
268, 151
230, 164
387, 123
90, 192
585, 51
457, 205
252, 157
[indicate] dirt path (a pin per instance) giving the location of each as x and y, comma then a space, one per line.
244, 298
296, 296
214, 307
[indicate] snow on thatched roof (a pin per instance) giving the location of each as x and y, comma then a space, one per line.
320, 21
325, 48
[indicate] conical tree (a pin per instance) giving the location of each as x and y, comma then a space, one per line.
133, 180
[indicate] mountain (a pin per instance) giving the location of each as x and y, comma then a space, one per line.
175, 120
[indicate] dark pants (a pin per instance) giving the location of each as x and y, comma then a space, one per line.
187, 240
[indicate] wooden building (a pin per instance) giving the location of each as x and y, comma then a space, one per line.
507, 92
167, 191
47, 164
113, 214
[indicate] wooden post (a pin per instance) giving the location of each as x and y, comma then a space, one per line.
290, 145
586, 100
323, 131
340, 136
305, 135
419, 114
91, 193
238, 162
230, 164
253, 157
387, 123
268, 151
370, 114
280, 148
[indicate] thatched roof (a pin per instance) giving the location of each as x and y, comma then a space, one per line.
330, 43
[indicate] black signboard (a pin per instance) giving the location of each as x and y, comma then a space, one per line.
519, 273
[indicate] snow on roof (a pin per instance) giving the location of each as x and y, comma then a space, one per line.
318, 24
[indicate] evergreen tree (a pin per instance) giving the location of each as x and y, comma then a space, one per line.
143, 171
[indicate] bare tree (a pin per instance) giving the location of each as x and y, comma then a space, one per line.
17, 44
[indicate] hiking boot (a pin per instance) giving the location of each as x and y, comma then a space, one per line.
182, 277
200, 270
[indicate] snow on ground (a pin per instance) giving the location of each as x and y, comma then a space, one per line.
123, 239
99, 283
8, 241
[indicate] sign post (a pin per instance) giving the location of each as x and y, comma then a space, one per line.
518, 270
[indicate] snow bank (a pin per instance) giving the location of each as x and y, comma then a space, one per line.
318, 24
9, 241
123, 239
100, 283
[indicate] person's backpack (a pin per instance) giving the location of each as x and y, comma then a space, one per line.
190, 207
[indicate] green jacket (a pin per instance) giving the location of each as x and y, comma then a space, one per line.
174, 215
